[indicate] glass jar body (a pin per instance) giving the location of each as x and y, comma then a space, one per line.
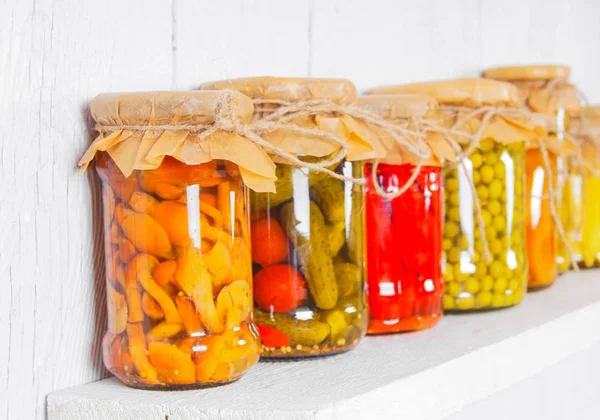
542, 237
589, 245
179, 276
404, 249
498, 173
308, 254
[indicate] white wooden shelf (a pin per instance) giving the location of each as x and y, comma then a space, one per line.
427, 375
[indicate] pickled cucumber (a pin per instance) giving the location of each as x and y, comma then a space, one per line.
328, 194
471, 282
314, 253
283, 187
337, 237
348, 277
308, 332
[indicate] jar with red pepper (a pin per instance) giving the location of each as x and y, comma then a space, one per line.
404, 212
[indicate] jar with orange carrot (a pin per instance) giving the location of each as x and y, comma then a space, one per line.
547, 92
308, 248
177, 237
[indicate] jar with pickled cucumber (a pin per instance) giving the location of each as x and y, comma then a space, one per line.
404, 228
308, 237
177, 241
547, 91
485, 264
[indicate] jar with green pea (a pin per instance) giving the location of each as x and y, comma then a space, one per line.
484, 191
498, 176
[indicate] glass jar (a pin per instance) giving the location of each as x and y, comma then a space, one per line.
308, 237
179, 275
308, 254
404, 249
542, 237
586, 129
482, 119
498, 174
177, 235
547, 91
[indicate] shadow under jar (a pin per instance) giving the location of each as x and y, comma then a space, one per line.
548, 92
178, 266
495, 167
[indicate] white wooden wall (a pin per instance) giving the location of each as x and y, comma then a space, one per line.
56, 55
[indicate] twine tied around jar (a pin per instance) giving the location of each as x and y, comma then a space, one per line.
226, 121
411, 140
417, 125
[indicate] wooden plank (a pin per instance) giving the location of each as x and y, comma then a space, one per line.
226, 39
55, 56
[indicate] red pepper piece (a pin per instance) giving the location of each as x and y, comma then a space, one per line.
272, 337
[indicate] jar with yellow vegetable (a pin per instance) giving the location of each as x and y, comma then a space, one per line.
484, 233
547, 92
586, 129
177, 236
308, 237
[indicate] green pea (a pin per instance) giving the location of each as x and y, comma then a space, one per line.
499, 223
491, 158
496, 247
487, 173
448, 302
476, 177
453, 213
455, 289
490, 233
495, 190
449, 273
487, 283
482, 192
494, 207
500, 285
513, 285
472, 285
463, 242
481, 269
452, 185
453, 255
483, 299
451, 229
500, 169
497, 301
458, 274
465, 302
486, 216
453, 199
497, 269
476, 160
447, 244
